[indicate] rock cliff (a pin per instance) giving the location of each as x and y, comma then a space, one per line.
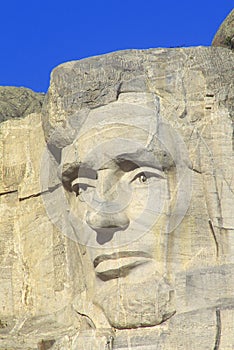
139, 127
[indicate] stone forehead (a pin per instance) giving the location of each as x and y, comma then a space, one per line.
140, 110
119, 140
80, 86
128, 115
112, 140
131, 123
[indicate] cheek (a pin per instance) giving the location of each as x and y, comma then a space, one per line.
76, 206
147, 200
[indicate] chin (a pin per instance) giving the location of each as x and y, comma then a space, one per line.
139, 304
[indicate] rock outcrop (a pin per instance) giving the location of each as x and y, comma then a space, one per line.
225, 34
18, 102
116, 201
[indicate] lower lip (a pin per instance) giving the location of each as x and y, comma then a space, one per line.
115, 268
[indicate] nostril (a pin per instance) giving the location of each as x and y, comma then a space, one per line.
105, 235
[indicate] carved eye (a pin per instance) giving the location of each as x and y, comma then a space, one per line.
80, 185
142, 178
146, 176
78, 188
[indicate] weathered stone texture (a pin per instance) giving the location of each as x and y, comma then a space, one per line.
50, 295
18, 102
33, 272
225, 34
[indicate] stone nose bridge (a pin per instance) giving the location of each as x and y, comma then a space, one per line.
107, 215
108, 185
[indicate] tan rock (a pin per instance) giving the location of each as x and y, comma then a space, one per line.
119, 235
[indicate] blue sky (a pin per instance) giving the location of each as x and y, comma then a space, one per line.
36, 36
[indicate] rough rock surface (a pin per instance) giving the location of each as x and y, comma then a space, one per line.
18, 102
53, 295
225, 34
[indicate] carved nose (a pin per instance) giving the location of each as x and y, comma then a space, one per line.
107, 220
106, 224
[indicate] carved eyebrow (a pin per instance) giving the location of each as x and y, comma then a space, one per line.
74, 171
86, 172
127, 165
84, 181
158, 159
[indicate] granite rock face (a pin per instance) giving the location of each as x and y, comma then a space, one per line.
18, 102
116, 206
225, 34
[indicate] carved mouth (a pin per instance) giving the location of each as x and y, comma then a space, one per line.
118, 255
118, 264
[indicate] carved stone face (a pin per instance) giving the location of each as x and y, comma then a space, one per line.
118, 176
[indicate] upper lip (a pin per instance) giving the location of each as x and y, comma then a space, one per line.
118, 255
